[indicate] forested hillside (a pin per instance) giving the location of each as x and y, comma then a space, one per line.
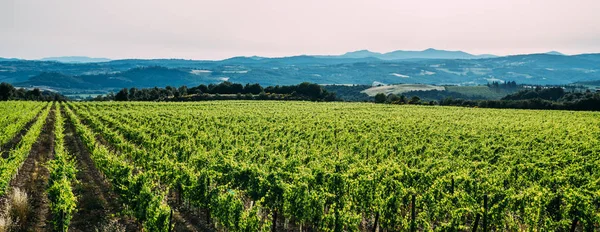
535, 69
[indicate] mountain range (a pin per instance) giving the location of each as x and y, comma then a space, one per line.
407, 55
430, 53
75, 59
8, 59
361, 67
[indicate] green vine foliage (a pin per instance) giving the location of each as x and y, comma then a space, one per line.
63, 171
350, 166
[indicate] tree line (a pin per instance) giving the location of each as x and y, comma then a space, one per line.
503, 85
9, 92
554, 98
551, 98
399, 99
223, 91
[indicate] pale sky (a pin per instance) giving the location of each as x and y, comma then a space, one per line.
217, 29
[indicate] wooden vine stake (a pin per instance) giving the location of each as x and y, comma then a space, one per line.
413, 215
274, 225
376, 221
574, 225
171, 221
476, 223
485, 208
62, 221
452, 187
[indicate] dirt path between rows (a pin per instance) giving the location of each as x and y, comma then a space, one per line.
33, 178
185, 220
97, 205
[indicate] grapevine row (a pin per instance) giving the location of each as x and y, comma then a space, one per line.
15, 116
62, 176
227, 206
10, 166
138, 190
346, 166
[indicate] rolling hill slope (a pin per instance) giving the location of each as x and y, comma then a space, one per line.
538, 69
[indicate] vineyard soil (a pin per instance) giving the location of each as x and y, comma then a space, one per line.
97, 203
182, 218
33, 178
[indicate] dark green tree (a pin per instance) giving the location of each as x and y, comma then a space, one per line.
5, 91
414, 100
183, 90
380, 98
122, 95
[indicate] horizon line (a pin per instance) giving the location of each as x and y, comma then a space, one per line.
288, 56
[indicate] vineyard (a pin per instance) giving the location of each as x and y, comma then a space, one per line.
297, 166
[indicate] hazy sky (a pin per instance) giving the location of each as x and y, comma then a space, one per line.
215, 29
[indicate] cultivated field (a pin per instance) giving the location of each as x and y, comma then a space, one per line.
482, 91
399, 89
297, 166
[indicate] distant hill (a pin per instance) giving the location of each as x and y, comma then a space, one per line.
407, 55
536, 69
57, 80
145, 77
554, 53
8, 59
595, 83
400, 89
148, 77
296, 60
75, 59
